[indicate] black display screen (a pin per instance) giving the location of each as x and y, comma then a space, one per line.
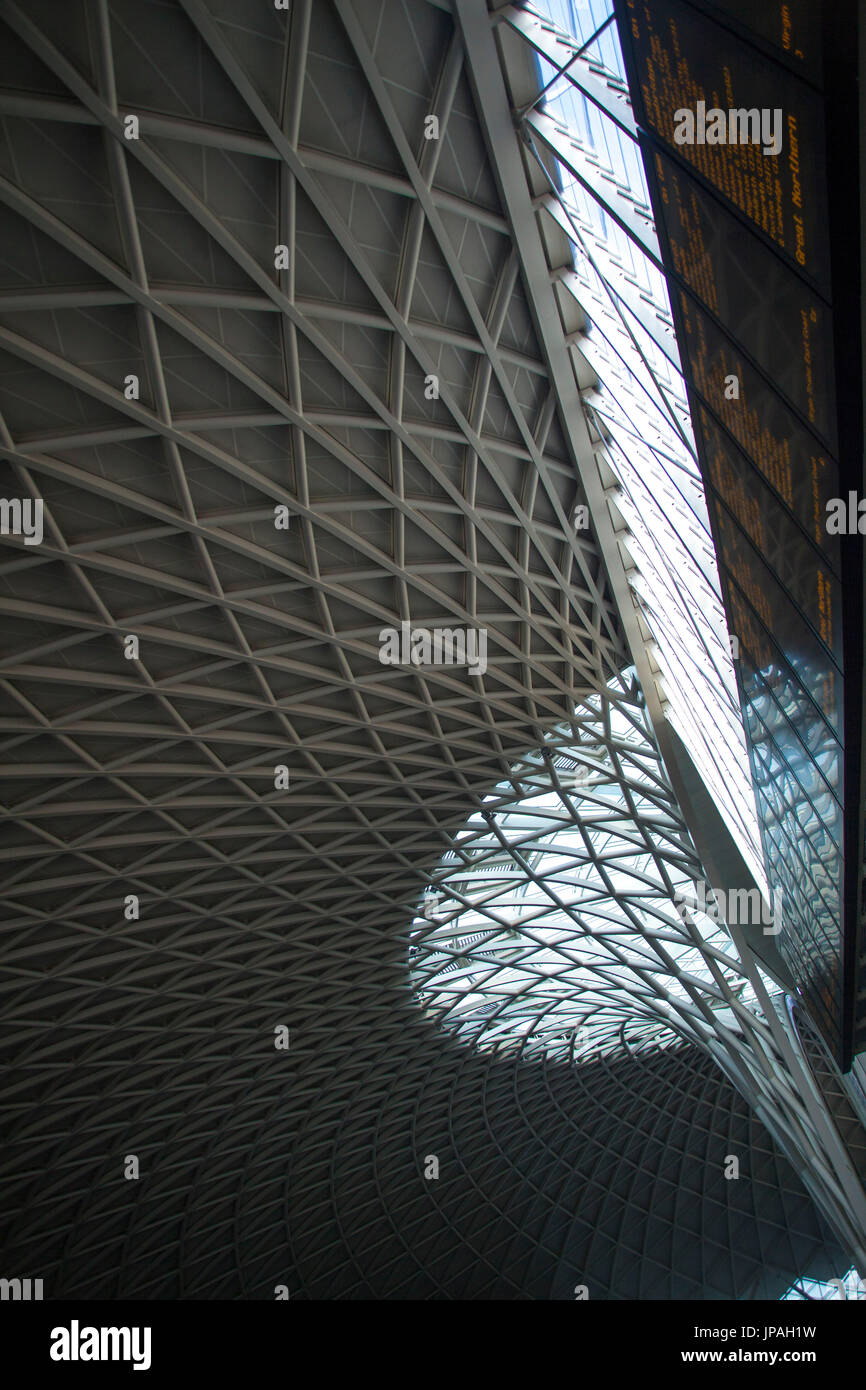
732, 131
685, 61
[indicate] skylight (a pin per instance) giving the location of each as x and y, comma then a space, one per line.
639, 403
554, 921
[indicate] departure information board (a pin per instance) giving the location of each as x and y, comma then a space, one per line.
790, 29
688, 63
728, 101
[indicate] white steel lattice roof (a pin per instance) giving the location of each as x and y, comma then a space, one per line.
285, 264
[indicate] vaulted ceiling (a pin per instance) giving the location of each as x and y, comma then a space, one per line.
269, 295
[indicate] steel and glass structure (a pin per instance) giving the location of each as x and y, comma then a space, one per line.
315, 322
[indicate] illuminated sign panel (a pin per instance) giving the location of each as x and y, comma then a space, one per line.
687, 62
732, 127
790, 29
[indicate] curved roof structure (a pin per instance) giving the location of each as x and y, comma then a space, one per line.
291, 360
